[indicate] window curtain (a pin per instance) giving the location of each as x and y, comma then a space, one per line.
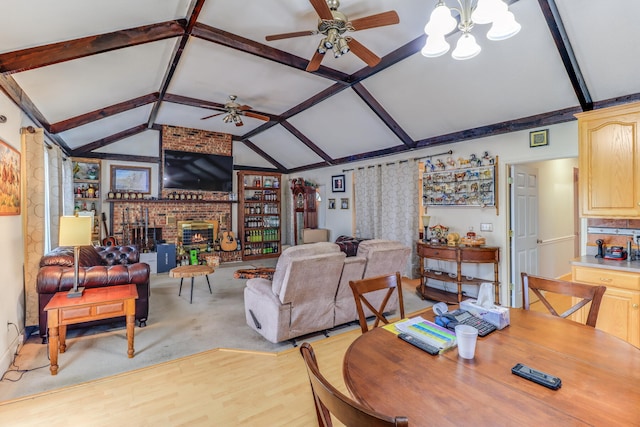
58, 194
387, 204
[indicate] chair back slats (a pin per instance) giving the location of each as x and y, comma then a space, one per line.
329, 400
361, 288
588, 293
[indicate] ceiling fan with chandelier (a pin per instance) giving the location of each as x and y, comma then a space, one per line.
233, 112
333, 25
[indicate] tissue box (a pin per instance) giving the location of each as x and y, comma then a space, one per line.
496, 315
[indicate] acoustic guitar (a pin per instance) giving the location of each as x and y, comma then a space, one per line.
227, 240
109, 240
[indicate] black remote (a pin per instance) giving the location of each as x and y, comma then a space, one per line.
433, 350
536, 376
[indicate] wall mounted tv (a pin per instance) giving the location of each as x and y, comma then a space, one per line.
184, 170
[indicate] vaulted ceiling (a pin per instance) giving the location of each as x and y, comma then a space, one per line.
102, 77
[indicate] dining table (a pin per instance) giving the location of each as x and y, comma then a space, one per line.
600, 376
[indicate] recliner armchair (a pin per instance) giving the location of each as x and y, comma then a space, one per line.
301, 297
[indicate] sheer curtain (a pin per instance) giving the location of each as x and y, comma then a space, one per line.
387, 201
58, 193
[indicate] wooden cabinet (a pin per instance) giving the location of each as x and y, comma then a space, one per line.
87, 192
609, 157
305, 212
620, 308
259, 214
456, 257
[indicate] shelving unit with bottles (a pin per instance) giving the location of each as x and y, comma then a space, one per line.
259, 214
87, 192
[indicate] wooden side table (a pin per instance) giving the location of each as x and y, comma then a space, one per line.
95, 304
186, 271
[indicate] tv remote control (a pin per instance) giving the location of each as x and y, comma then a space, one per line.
433, 350
536, 376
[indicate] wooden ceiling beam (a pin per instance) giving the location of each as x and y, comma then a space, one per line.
54, 53
245, 45
193, 14
102, 113
264, 155
306, 141
103, 142
384, 116
559, 34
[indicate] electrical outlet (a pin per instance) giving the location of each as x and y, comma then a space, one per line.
486, 226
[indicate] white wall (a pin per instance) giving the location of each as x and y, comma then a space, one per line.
510, 148
11, 250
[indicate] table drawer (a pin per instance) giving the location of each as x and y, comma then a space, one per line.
600, 276
437, 252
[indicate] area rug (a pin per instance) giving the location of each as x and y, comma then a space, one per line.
175, 328
263, 272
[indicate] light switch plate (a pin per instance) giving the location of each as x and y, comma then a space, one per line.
486, 226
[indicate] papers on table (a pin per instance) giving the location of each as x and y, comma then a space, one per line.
428, 332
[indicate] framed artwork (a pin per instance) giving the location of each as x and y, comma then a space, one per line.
344, 203
332, 203
131, 178
338, 184
9, 180
539, 138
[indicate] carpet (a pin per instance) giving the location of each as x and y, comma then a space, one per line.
174, 329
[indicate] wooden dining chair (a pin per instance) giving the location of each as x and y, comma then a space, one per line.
328, 400
588, 293
363, 288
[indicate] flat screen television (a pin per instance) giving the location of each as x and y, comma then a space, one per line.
186, 170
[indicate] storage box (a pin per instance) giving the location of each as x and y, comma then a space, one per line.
496, 315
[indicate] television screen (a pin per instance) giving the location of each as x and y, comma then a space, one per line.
185, 170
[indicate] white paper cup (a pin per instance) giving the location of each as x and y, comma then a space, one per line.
466, 336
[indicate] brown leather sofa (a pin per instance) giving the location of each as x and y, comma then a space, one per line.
98, 267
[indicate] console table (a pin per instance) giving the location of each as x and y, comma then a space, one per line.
459, 255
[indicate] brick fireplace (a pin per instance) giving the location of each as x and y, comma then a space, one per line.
165, 214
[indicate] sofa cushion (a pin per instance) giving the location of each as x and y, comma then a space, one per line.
63, 256
114, 255
299, 251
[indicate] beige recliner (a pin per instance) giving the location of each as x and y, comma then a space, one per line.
301, 297
375, 257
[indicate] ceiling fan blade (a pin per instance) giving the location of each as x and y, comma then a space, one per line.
378, 20
256, 116
244, 108
322, 9
314, 64
363, 53
213, 115
239, 123
290, 35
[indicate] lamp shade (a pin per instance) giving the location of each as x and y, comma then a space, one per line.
486, 11
440, 22
436, 45
503, 27
466, 48
75, 230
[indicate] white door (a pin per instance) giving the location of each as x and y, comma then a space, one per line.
523, 227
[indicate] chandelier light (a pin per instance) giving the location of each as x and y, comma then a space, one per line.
471, 12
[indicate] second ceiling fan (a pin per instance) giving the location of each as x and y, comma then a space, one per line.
333, 25
234, 111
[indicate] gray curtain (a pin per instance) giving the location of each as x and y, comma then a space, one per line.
387, 204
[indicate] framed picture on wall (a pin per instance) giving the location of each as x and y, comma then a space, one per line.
9, 180
131, 179
539, 138
338, 184
332, 203
344, 203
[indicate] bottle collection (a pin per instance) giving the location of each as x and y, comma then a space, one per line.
85, 191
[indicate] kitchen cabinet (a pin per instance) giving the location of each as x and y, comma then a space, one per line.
259, 214
620, 308
456, 257
87, 192
609, 158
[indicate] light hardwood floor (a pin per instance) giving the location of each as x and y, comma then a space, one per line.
216, 387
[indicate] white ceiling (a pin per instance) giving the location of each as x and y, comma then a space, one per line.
85, 102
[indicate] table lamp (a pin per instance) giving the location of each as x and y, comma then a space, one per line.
75, 231
425, 224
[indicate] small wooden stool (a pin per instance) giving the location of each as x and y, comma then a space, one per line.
191, 271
